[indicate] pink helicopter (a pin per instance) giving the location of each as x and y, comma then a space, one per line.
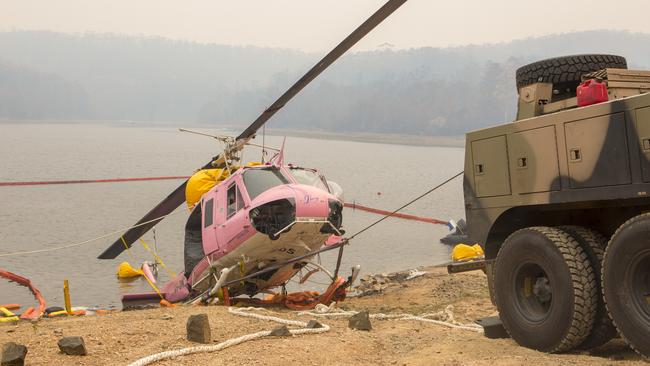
263, 224
260, 217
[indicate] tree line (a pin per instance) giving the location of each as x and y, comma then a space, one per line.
424, 91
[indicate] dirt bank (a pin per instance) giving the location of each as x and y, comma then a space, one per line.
123, 337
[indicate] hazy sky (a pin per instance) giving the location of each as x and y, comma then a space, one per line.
318, 25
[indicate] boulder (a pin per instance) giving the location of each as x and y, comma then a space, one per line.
72, 346
13, 354
360, 321
313, 324
198, 328
281, 331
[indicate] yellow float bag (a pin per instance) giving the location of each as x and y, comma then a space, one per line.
8, 316
6, 312
201, 182
126, 271
463, 252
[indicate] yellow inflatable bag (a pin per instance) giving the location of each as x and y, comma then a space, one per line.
126, 271
201, 182
464, 252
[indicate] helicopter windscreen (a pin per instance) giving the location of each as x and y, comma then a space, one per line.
258, 180
308, 177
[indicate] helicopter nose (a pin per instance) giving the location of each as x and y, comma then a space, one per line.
311, 202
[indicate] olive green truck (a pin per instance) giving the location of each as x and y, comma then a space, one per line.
560, 201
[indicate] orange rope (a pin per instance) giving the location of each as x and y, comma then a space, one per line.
357, 206
27, 283
83, 181
117, 180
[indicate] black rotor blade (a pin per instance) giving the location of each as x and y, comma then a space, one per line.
177, 197
153, 217
323, 64
165, 207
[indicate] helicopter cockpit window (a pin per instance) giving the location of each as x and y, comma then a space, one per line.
260, 180
308, 177
235, 200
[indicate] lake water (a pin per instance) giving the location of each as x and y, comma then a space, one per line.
37, 217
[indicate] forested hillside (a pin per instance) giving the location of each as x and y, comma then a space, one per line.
430, 91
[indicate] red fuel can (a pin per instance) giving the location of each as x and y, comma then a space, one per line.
591, 92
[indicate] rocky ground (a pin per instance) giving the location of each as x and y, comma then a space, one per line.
123, 337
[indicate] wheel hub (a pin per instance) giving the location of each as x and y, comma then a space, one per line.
534, 292
542, 290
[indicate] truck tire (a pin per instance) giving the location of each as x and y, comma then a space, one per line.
566, 72
545, 289
626, 282
593, 243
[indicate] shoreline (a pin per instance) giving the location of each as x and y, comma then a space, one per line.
123, 337
365, 137
379, 138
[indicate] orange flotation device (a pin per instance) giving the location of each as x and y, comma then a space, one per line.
27, 313
304, 300
33, 314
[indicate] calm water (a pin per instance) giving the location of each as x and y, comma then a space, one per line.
37, 217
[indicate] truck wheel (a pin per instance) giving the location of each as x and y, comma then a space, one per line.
545, 289
566, 72
593, 243
626, 281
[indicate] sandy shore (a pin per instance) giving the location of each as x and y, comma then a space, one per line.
123, 337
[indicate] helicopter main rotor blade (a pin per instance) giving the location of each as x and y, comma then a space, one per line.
323, 64
177, 197
153, 217
165, 207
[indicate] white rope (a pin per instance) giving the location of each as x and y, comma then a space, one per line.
246, 312
443, 318
89, 240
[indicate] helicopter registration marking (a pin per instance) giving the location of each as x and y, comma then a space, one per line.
309, 199
290, 251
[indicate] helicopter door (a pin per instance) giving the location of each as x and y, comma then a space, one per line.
234, 223
209, 205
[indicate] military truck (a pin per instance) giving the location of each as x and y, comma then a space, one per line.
560, 201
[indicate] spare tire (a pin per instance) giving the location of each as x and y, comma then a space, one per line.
566, 72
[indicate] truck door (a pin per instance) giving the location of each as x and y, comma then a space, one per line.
597, 151
491, 174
